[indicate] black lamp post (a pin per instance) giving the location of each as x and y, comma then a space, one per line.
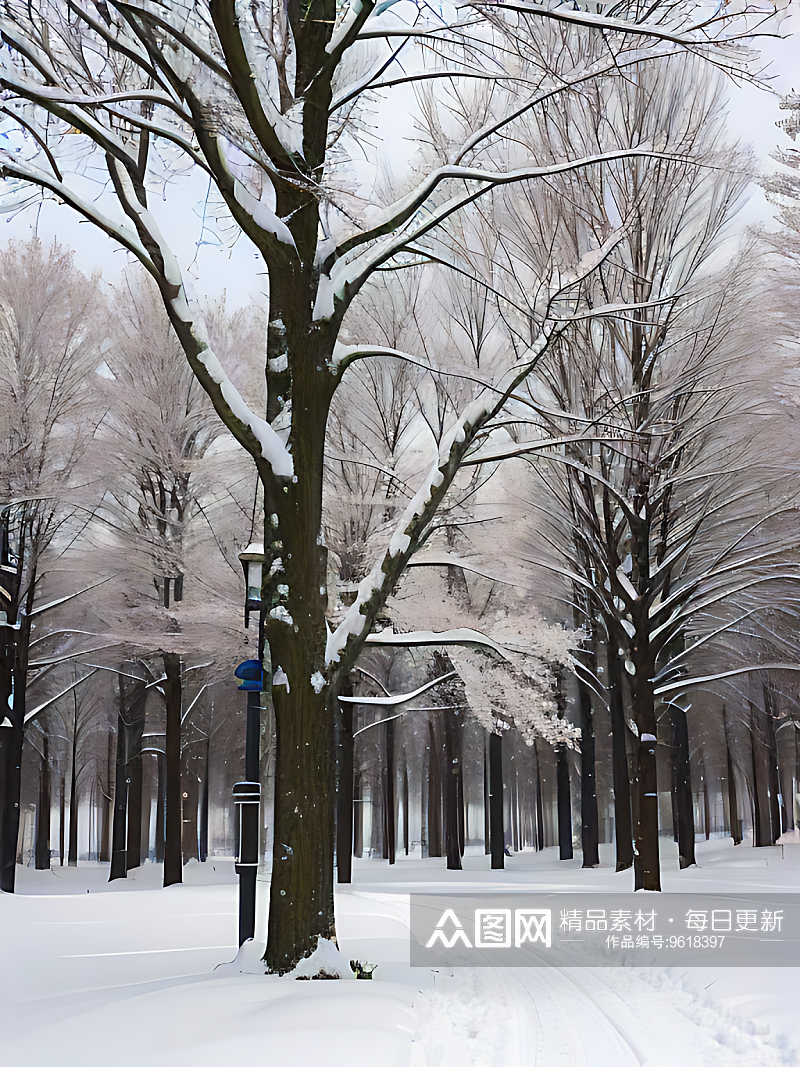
247, 794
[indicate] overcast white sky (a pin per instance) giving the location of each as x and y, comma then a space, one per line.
752, 115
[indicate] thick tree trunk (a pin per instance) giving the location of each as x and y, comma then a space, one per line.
564, 804
173, 873
619, 761
682, 789
496, 829
345, 840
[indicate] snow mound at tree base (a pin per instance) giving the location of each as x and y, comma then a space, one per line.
248, 960
326, 961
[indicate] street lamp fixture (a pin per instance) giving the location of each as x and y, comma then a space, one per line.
252, 560
247, 794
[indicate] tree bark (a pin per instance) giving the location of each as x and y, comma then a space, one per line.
734, 816
345, 838
564, 804
619, 760
190, 812
647, 865
130, 727
14, 666
406, 813
358, 818
682, 787
203, 831
389, 804
590, 834
119, 867
107, 806
72, 855
173, 873
434, 794
496, 829
133, 855
161, 807
41, 856
452, 793
763, 818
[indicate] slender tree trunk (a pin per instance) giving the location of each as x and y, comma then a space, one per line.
564, 804
190, 812
682, 789
496, 829
62, 816
452, 793
389, 806
72, 858
358, 818
734, 816
14, 666
161, 807
203, 834
539, 803
345, 838
487, 847
619, 760
647, 866
173, 873
434, 795
772, 757
406, 834
107, 806
133, 856
41, 857
590, 835
119, 867
706, 799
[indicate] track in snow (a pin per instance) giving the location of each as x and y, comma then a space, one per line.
551, 1017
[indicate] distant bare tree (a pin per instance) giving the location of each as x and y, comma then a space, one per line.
50, 343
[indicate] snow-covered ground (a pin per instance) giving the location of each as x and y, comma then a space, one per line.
124, 974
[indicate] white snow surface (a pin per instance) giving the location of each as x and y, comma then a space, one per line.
134, 974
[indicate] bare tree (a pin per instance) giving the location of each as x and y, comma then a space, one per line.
269, 104
49, 411
658, 505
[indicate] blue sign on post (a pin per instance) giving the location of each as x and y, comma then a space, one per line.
250, 672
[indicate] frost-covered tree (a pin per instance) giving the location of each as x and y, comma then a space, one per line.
50, 342
270, 104
661, 496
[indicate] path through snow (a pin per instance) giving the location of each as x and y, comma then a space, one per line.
125, 974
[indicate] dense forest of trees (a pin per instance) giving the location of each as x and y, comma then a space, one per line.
508, 428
